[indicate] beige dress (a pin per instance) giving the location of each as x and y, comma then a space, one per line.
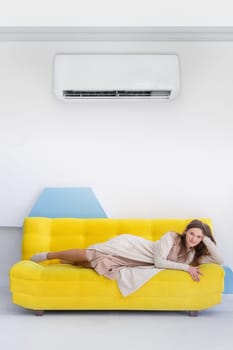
132, 260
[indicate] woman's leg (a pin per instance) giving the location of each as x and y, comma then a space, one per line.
72, 256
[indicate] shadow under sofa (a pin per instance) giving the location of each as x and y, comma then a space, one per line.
53, 285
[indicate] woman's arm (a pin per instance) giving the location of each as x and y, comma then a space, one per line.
214, 256
161, 251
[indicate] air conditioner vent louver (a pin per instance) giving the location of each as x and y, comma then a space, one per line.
69, 94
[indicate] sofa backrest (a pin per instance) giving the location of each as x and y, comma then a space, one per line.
42, 234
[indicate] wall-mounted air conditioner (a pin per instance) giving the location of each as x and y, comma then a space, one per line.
116, 76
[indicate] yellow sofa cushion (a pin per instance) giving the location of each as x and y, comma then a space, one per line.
45, 234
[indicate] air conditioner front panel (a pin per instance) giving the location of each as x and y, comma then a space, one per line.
115, 72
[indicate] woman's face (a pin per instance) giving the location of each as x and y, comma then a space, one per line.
193, 237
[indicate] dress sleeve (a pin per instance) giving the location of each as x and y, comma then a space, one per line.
213, 256
161, 251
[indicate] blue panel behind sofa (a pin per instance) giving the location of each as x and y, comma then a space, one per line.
70, 202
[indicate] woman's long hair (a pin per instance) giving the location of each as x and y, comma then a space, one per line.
200, 249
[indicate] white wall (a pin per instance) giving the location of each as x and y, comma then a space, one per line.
10, 251
142, 159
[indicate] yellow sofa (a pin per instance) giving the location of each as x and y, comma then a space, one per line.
53, 285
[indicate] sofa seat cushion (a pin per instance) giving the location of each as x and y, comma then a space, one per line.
74, 287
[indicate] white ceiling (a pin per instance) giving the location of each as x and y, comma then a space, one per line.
143, 20
123, 13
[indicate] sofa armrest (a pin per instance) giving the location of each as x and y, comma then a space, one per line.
23, 269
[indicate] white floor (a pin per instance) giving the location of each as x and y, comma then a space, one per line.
20, 329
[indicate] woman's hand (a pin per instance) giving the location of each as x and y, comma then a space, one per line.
195, 273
